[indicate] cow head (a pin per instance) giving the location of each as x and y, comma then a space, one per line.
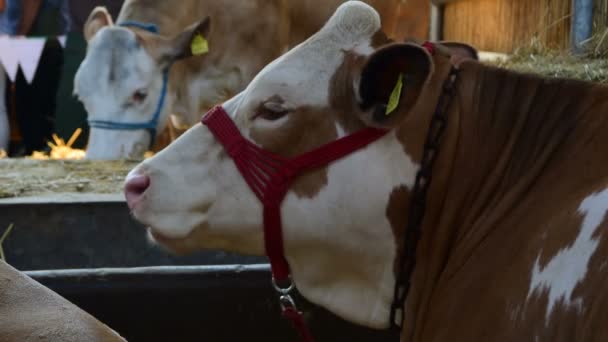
121, 80
339, 236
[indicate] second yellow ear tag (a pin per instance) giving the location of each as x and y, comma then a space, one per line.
199, 45
393, 101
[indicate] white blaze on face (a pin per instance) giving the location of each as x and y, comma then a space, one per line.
115, 69
339, 243
569, 267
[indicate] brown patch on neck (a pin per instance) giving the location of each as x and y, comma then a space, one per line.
397, 214
305, 130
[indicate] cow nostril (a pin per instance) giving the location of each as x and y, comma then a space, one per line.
135, 187
138, 184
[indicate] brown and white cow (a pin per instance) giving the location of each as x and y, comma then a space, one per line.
32, 312
121, 78
514, 244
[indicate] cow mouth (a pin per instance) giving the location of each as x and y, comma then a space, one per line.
178, 246
158, 237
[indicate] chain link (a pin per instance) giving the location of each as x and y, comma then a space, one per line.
417, 207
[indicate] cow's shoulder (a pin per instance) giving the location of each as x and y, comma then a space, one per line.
570, 271
30, 311
539, 269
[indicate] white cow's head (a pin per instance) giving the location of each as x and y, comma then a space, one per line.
121, 81
339, 222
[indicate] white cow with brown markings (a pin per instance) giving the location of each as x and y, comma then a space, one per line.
514, 242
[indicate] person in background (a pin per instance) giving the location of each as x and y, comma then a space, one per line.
35, 103
53, 108
4, 121
5, 132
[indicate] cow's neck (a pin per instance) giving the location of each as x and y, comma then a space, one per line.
412, 134
506, 132
515, 129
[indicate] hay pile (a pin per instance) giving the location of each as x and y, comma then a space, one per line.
61, 171
535, 57
25, 177
61, 150
557, 64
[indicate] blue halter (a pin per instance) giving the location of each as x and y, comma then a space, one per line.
151, 125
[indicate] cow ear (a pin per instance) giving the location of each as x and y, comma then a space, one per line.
391, 82
460, 52
98, 19
192, 41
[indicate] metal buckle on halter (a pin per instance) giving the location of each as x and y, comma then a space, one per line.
285, 298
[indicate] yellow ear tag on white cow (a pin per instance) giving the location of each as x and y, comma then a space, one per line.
393, 101
199, 45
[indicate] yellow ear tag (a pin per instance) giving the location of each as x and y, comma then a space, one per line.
393, 101
199, 45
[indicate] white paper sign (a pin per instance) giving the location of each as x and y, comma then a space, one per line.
28, 52
8, 57
23, 52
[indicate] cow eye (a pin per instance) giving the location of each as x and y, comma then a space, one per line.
272, 111
139, 96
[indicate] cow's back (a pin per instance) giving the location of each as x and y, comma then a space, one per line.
31, 312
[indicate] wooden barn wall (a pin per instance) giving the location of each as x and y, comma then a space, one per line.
504, 25
411, 20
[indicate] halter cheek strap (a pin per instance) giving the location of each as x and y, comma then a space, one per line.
151, 125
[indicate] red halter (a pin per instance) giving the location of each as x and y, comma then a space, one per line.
269, 176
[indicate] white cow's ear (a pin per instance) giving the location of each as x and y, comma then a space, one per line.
391, 82
191, 41
98, 19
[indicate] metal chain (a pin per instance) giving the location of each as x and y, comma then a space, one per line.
417, 206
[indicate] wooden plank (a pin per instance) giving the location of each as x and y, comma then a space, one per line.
504, 25
401, 19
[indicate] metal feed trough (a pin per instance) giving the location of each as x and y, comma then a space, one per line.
89, 250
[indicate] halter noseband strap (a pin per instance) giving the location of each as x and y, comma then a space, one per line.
152, 124
269, 176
